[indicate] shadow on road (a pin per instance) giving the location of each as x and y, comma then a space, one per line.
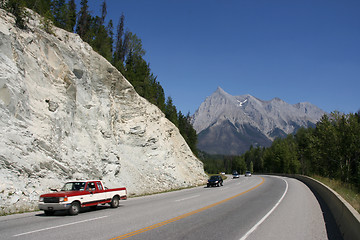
332, 229
83, 210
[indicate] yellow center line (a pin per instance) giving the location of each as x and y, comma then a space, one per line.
130, 234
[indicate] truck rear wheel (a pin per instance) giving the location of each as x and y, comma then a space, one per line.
74, 208
115, 202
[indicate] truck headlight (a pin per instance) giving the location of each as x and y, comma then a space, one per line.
41, 199
63, 199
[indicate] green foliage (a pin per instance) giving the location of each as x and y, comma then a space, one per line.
84, 21
71, 16
121, 45
60, 13
42, 7
47, 23
187, 131
214, 164
100, 39
171, 112
17, 8
330, 150
282, 156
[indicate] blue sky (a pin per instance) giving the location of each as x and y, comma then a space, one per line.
298, 50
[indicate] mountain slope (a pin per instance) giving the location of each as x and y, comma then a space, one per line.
66, 113
229, 124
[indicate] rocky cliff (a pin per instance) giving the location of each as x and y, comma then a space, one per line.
66, 113
229, 124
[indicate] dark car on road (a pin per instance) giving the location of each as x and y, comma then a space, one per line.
215, 180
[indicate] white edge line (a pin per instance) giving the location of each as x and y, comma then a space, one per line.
63, 225
267, 215
187, 198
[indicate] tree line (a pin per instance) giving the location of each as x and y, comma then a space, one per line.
331, 149
122, 48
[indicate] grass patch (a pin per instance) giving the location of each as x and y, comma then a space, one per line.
345, 190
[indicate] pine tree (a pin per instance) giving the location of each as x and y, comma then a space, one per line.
100, 40
110, 31
99, 36
60, 13
103, 12
134, 45
171, 112
71, 16
84, 21
118, 58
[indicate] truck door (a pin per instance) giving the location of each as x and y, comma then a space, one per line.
91, 187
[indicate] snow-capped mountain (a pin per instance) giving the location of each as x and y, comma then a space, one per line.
228, 124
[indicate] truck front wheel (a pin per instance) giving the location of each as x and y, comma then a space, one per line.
115, 202
74, 208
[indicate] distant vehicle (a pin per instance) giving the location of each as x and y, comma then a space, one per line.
247, 174
222, 173
78, 194
215, 180
235, 174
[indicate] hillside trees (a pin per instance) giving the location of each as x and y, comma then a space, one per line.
15, 7
125, 52
187, 131
219, 163
83, 22
64, 14
331, 149
121, 45
171, 112
71, 16
282, 156
60, 11
43, 7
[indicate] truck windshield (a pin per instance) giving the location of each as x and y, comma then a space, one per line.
73, 186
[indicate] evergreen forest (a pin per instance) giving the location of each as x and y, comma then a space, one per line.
120, 47
331, 149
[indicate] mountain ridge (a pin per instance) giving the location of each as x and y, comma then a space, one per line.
266, 120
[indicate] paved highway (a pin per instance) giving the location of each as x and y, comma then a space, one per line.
257, 207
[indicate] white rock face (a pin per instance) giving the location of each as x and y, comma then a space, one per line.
66, 113
229, 124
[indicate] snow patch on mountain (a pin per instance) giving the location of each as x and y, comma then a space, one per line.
268, 119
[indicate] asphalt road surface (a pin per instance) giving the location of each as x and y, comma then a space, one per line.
257, 207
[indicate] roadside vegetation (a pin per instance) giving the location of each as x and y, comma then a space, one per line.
120, 47
330, 151
347, 191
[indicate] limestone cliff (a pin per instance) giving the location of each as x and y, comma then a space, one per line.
66, 113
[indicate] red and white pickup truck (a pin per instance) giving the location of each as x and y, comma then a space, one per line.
77, 194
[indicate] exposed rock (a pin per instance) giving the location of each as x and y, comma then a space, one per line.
229, 124
66, 113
